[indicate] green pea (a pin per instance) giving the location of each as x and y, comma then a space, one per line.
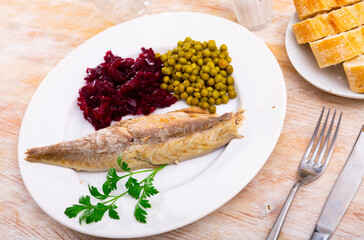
194, 101
230, 88
165, 86
182, 60
205, 76
171, 61
229, 69
212, 109
189, 90
197, 95
223, 73
194, 59
230, 81
215, 94
232, 94
170, 88
207, 60
176, 91
187, 39
203, 99
165, 79
211, 101
205, 69
176, 83
218, 77
188, 55
218, 86
213, 72
181, 54
223, 47
225, 53
204, 92
164, 58
206, 53
195, 71
186, 47
169, 71
181, 88
192, 51
199, 85
211, 46
214, 54
178, 74
228, 59
200, 62
204, 105
188, 69
192, 78
178, 67
186, 83
225, 99
218, 101
198, 47
210, 82
222, 63
183, 95
204, 45
185, 76
189, 100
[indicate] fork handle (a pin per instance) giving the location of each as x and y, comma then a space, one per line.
276, 229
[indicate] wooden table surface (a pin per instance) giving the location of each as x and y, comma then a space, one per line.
36, 34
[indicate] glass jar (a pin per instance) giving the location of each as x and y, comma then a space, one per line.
253, 14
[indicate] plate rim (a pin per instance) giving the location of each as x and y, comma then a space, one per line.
268, 153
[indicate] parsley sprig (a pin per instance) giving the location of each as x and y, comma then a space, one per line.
139, 190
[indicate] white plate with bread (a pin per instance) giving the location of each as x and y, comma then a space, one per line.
327, 48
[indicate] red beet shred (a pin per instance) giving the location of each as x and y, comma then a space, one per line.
122, 86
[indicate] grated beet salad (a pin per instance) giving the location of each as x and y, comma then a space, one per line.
122, 86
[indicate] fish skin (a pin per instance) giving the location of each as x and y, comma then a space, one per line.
144, 142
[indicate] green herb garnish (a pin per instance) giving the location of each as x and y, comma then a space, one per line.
138, 190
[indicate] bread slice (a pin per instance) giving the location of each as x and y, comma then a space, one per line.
309, 8
338, 48
354, 70
335, 22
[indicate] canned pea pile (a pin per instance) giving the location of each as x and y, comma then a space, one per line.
199, 73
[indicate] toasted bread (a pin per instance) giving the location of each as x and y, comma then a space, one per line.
335, 22
354, 70
309, 8
338, 48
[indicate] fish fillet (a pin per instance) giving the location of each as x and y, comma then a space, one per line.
144, 142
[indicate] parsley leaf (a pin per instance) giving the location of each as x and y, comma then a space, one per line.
133, 187
141, 190
95, 193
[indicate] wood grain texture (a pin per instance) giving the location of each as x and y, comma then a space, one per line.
36, 34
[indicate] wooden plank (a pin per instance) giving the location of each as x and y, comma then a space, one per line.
36, 34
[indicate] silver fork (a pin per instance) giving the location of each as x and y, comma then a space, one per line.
309, 169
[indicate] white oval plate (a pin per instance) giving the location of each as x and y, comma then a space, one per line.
188, 191
330, 79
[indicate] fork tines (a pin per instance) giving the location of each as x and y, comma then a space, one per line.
322, 145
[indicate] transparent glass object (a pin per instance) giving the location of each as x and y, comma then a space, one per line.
254, 14
122, 10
